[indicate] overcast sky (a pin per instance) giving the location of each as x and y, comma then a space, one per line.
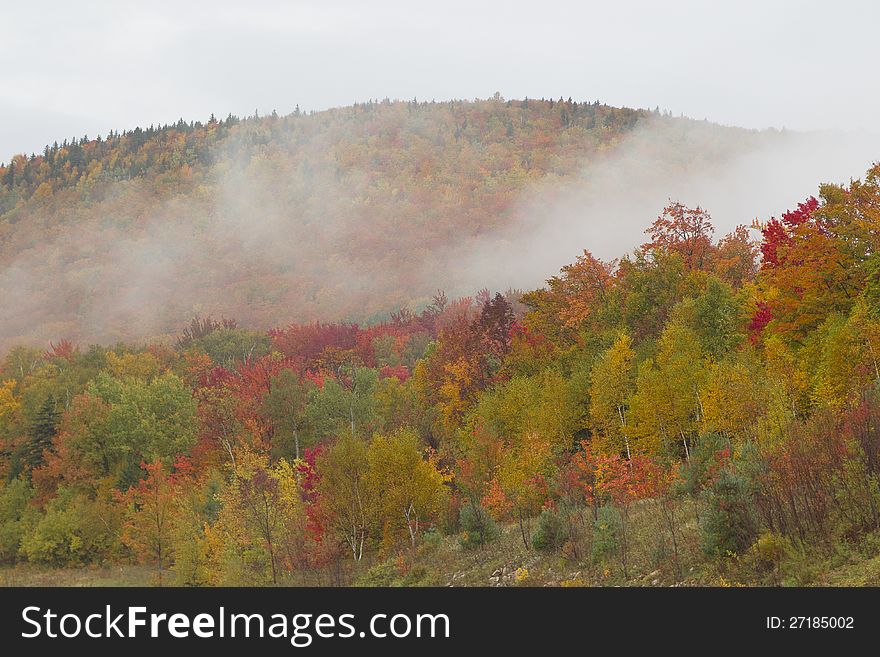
70, 69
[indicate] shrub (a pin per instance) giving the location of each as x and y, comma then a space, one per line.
729, 525
551, 532
768, 554
477, 527
606, 534
16, 517
75, 530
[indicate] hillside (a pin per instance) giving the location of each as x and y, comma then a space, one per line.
344, 214
705, 410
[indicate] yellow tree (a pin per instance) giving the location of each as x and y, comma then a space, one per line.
667, 408
538, 404
734, 396
408, 491
9, 407
842, 357
611, 385
345, 498
261, 526
519, 488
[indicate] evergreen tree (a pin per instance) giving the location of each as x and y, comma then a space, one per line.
41, 432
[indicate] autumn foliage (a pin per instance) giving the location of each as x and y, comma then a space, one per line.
729, 385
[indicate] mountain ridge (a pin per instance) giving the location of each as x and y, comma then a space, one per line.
349, 213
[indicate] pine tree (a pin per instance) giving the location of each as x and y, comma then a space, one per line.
41, 432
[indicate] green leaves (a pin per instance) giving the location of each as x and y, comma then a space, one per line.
120, 422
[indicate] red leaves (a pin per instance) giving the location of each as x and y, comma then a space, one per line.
304, 344
686, 231
399, 372
496, 501
777, 233
64, 349
759, 320
803, 212
603, 478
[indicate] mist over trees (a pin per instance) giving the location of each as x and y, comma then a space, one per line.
702, 409
354, 212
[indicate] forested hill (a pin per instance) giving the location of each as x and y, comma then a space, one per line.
346, 213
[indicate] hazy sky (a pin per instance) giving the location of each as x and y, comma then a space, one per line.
85, 68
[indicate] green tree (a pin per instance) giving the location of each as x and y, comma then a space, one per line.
285, 407
41, 432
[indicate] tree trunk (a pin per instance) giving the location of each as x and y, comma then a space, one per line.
522, 530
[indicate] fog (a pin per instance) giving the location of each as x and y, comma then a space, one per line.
272, 240
736, 175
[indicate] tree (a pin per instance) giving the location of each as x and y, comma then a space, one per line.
409, 491
41, 432
261, 526
581, 288
120, 422
667, 408
734, 397
519, 488
685, 231
148, 516
609, 479
495, 321
343, 491
717, 318
611, 385
816, 257
538, 404
729, 526
344, 404
285, 407
17, 517
649, 287
736, 260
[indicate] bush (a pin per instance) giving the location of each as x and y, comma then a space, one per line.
384, 573
16, 517
551, 532
768, 554
477, 526
606, 534
696, 473
729, 525
75, 530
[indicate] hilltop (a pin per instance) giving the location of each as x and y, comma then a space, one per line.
348, 213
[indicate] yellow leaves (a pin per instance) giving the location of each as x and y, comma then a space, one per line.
143, 366
666, 406
733, 397
536, 404
433, 459
261, 526
9, 405
611, 383
43, 192
520, 479
457, 378
841, 358
410, 490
